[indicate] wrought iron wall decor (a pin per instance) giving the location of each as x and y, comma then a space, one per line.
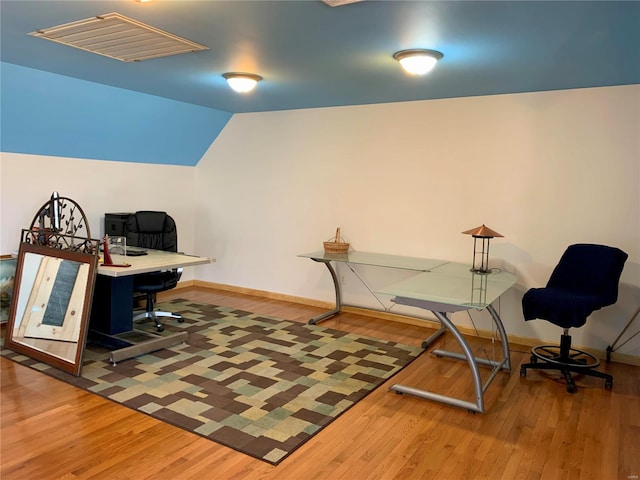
60, 223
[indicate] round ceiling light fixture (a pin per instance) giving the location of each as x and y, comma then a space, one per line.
418, 61
242, 82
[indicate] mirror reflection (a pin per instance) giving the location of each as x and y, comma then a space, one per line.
50, 305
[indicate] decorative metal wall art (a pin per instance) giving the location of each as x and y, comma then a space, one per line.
61, 224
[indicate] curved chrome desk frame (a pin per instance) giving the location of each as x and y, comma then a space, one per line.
440, 287
336, 286
417, 265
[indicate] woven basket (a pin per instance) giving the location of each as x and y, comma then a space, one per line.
336, 246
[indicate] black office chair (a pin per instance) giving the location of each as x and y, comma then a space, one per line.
154, 230
586, 279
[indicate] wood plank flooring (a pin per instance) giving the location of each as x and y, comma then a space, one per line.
533, 429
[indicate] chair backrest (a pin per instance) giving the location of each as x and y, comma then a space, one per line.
590, 269
150, 229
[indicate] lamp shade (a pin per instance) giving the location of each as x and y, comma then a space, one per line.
418, 61
483, 232
242, 82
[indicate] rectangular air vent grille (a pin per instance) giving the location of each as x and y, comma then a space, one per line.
119, 37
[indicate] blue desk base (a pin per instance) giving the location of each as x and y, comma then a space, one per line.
111, 323
112, 311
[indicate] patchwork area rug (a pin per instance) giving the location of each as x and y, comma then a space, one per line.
257, 384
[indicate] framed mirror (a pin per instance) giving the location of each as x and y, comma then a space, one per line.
51, 305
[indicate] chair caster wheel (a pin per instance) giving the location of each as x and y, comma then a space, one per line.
571, 388
160, 328
523, 372
181, 320
608, 384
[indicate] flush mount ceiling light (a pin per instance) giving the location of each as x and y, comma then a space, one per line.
242, 82
339, 3
116, 36
417, 61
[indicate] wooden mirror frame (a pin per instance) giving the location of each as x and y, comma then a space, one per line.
38, 283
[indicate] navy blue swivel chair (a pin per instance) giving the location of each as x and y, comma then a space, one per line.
586, 279
154, 230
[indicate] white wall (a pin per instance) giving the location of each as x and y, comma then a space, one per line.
27, 181
544, 169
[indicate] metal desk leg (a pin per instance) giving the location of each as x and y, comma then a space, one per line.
504, 364
478, 406
612, 348
336, 286
506, 356
434, 336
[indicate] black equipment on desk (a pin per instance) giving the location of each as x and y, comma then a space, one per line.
114, 224
135, 252
154, 230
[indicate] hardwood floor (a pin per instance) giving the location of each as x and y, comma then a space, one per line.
533, 429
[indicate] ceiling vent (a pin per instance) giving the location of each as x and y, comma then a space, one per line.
338, 3
116, 36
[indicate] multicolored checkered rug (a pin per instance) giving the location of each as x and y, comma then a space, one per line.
258, 384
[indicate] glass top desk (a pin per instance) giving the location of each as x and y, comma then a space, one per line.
440, 287
365, 258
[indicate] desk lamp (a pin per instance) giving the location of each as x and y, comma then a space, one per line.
486, 234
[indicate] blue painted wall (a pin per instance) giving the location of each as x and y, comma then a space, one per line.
48, 114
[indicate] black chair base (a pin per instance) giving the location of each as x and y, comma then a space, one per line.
566, 360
